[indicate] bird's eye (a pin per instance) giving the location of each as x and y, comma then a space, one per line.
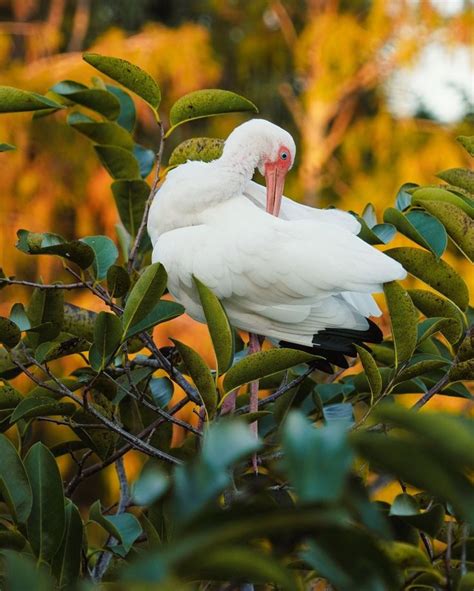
284, 155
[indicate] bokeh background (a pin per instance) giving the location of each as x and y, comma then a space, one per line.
374, 92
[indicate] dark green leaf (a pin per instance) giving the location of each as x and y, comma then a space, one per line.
7, 147
21, 573
12, 539
206, 103
144, 296
36, 406
13, 100
422, 228
47, 519
128, 115
403, 319
201, 376
420, 368
14, 484
97, 99
205, 149
105, 254
431, 304
162, 312
130, 197
262, 364
436, 273
46, 315
46, 243
107, 338
378, 234
317, 461
459, 177
119, 162
467, 142
161, 391
129, 75
118, 281
125, 527
10, 333
66, 564
371, 370
104, 133
219, 327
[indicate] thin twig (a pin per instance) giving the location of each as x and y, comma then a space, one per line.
431, 392
55, 286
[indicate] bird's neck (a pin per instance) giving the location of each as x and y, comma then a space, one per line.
238, 163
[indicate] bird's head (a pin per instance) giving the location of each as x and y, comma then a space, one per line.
273, 150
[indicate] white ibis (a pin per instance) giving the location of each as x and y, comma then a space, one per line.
303, 279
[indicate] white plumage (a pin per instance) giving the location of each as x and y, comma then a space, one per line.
287, 278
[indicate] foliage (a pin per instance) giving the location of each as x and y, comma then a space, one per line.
198, 514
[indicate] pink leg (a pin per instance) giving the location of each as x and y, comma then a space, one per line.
254, 347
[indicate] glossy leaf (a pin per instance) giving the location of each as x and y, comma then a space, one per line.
262, 364
436, 273
403, 198
66, 564
422, 228
437, 194
100, 132
127, 74
378, 234
317, 460
420, 368
118, 281
130, 197
403, 319
460, 177
97, 99
206, 103
161, 391
205, 149
372, 372
13, 100
162, 312
219, 326
458, 224
433, 305
118, 162
201, 376
125, 527
47, 243
46, 522
105, 254
46, 315
107, 338
41, 406
128, 115
144, 296
14, 484
10, 333
146, 159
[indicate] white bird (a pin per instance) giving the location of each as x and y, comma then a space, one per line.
304, 279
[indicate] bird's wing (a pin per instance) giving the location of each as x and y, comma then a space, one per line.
291, 210
289, 275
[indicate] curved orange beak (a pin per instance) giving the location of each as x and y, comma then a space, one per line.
275, 182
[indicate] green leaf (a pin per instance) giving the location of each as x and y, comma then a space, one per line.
129, 75
433, 305
9, 396
13, 100
118, 281
128, 114
403, 198
107, 338
162, 312
262, 364
7, 147
21, 573
436, 194
240, 562
459, 177
161, 391
125, 527
146, 159
403, 319
201, 376
46, 315
372, 372
422, 228
19, 317
10, 333
130, 198
219, 327
66, 564
420, 368
316, 460
378, 234
144, 296
97, 99
36, 406
459, 225
151, 485
205, 149
467, 142
14, 484
12, 539
430, 521
47, 243
118, 162
436, 273
206, 103
46, 522
104, 133
105, 254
